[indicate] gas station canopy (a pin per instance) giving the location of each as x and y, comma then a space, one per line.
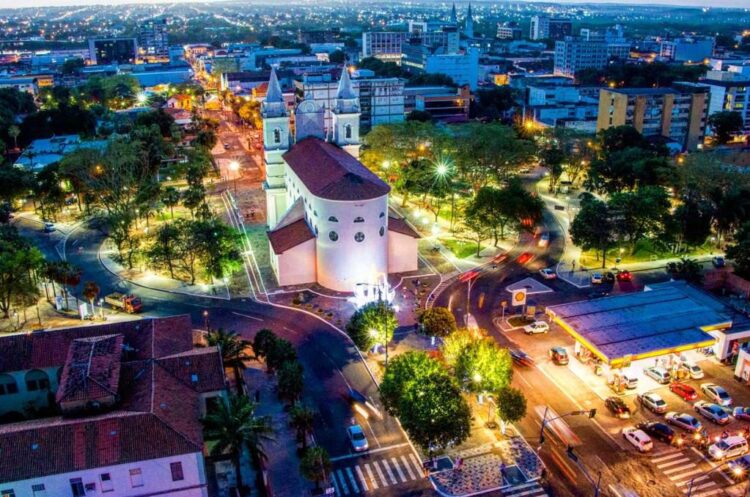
663, 319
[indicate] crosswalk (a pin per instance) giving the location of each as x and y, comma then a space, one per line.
368, 475
681, 470
532, 489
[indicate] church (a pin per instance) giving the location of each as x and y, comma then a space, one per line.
328, 216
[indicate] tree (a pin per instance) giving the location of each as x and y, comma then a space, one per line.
483, 366
165, 249
290, 381
740, 251
686, 269
65, 274
20, 262
337, 57
404, 370
90, 292
217, 245
263, 342
552, 158
170, 197
593, 228
419, 115
725, 124
640, 213
233, 350
234, 427
302, 419
372, 324
280, 352
475, 227
438, 322
315, 465
13, 132
511, 406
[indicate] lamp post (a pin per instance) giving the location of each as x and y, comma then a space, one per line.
737, 471
234, 166
205, 320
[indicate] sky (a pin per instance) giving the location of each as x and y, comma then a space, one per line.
41, 3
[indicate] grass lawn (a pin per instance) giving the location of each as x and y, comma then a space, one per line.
460, 248
645, 251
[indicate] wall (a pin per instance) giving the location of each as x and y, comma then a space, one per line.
403, 255
18, 402
296, 266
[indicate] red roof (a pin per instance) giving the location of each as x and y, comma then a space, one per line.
332, 173
401, 225
289, 236
92, 369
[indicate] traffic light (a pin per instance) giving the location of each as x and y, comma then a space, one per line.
592, 413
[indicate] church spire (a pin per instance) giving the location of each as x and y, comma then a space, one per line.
469, 28
274, 94
454, 15
345, 91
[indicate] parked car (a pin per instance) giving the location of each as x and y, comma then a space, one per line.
728, 447
718, 261
712, 412
536, 327
739, 468
558, 355
638, 439
742, 413
608, 277
49, 227
596, 278
717, 394
660, 375
692, 369
548, 274
653, 402
684, 421
683, 390
624, 276
617, 407
658, 431
357, 438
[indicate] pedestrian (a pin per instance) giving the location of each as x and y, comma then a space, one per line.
257, 396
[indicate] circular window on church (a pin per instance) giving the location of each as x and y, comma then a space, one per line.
333, 236
359, 236
382, 231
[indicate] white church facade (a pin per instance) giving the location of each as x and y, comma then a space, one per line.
328, 216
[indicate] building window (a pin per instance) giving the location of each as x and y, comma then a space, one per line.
382, 215
36, 380
316, 231
38, 490
382, 231
106, 480
348, 131
315, 213
176, 468
136, 477
7, 493
333, 236
277, 135
76, 487
359, 219
359, 237
333, 219
8, 385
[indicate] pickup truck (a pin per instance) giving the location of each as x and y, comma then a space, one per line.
128, 303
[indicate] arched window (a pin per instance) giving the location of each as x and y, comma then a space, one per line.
382, 231
359, 237
315, 213
316, 231
359, 219
382, 215
333, 219
37, 380
333, 236
8, 385
277, 135
348, 131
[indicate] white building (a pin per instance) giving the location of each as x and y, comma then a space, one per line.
543, 27
384, 45
328, 213
573, 55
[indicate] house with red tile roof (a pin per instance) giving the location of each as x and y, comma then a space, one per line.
328, 214
112, 409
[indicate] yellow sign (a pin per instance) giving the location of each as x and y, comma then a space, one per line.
519, 297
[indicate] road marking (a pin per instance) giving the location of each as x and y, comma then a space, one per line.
372, 451
398, 469
710, 492
672, 463
700, 478
539, 490
342, 481
361, 478
384, 462
678, 469
373, 481
335, 483
415, 462
355, 487
700, 487
687, 473
667, 457
380, 473
713, 466
246, 316
408, 467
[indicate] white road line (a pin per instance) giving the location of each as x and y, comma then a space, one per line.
408, 467
355, 487
384, 462
398, 469
536, 491
710, 492
700, 487
246, 316
380, 473
335, 484
342, 481
362, 479
373, 480
678, 469
700, 478
371, 451
666, 458
415, 462
687, 473
672, 463
713, 466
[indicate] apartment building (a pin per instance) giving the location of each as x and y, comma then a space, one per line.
552, 28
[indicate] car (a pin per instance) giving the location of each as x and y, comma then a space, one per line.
49, 227
660, 375
658, 431
692, 369
685, 421
717, 394
520, 357
683, 390
500, 258
718, 261
742, 413
712, 412
558, 355
357, 438
596, 278
638, 439
524, 258
617, 407
728, 447
624, 276
653, 402
543, 240
739, 468
536, 327
608, 277
548, 274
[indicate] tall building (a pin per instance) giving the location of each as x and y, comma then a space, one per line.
572, 55
509, 31
688, 49
469, 26
153, 39
552, 28
330, 222
730, 91
677, 113
461, 67
105, 51
384, 45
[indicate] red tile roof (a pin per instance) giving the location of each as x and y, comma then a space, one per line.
332, 173
401, 225
92, 369
289, 236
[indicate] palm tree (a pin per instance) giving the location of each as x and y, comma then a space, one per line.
315, 465
232, 348
234, 428
302, 420
13, 132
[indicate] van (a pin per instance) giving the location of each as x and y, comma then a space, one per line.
630, 379
728, 448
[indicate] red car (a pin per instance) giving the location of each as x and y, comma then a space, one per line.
683, 390
524, 258
624, 276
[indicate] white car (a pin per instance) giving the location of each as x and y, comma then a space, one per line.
717, 394
357, 438
653, 402
548, 274
692, 369
536, 327
638, 438
596, 278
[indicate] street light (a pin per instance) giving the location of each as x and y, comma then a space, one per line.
205, 320
234, 166
692, 480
